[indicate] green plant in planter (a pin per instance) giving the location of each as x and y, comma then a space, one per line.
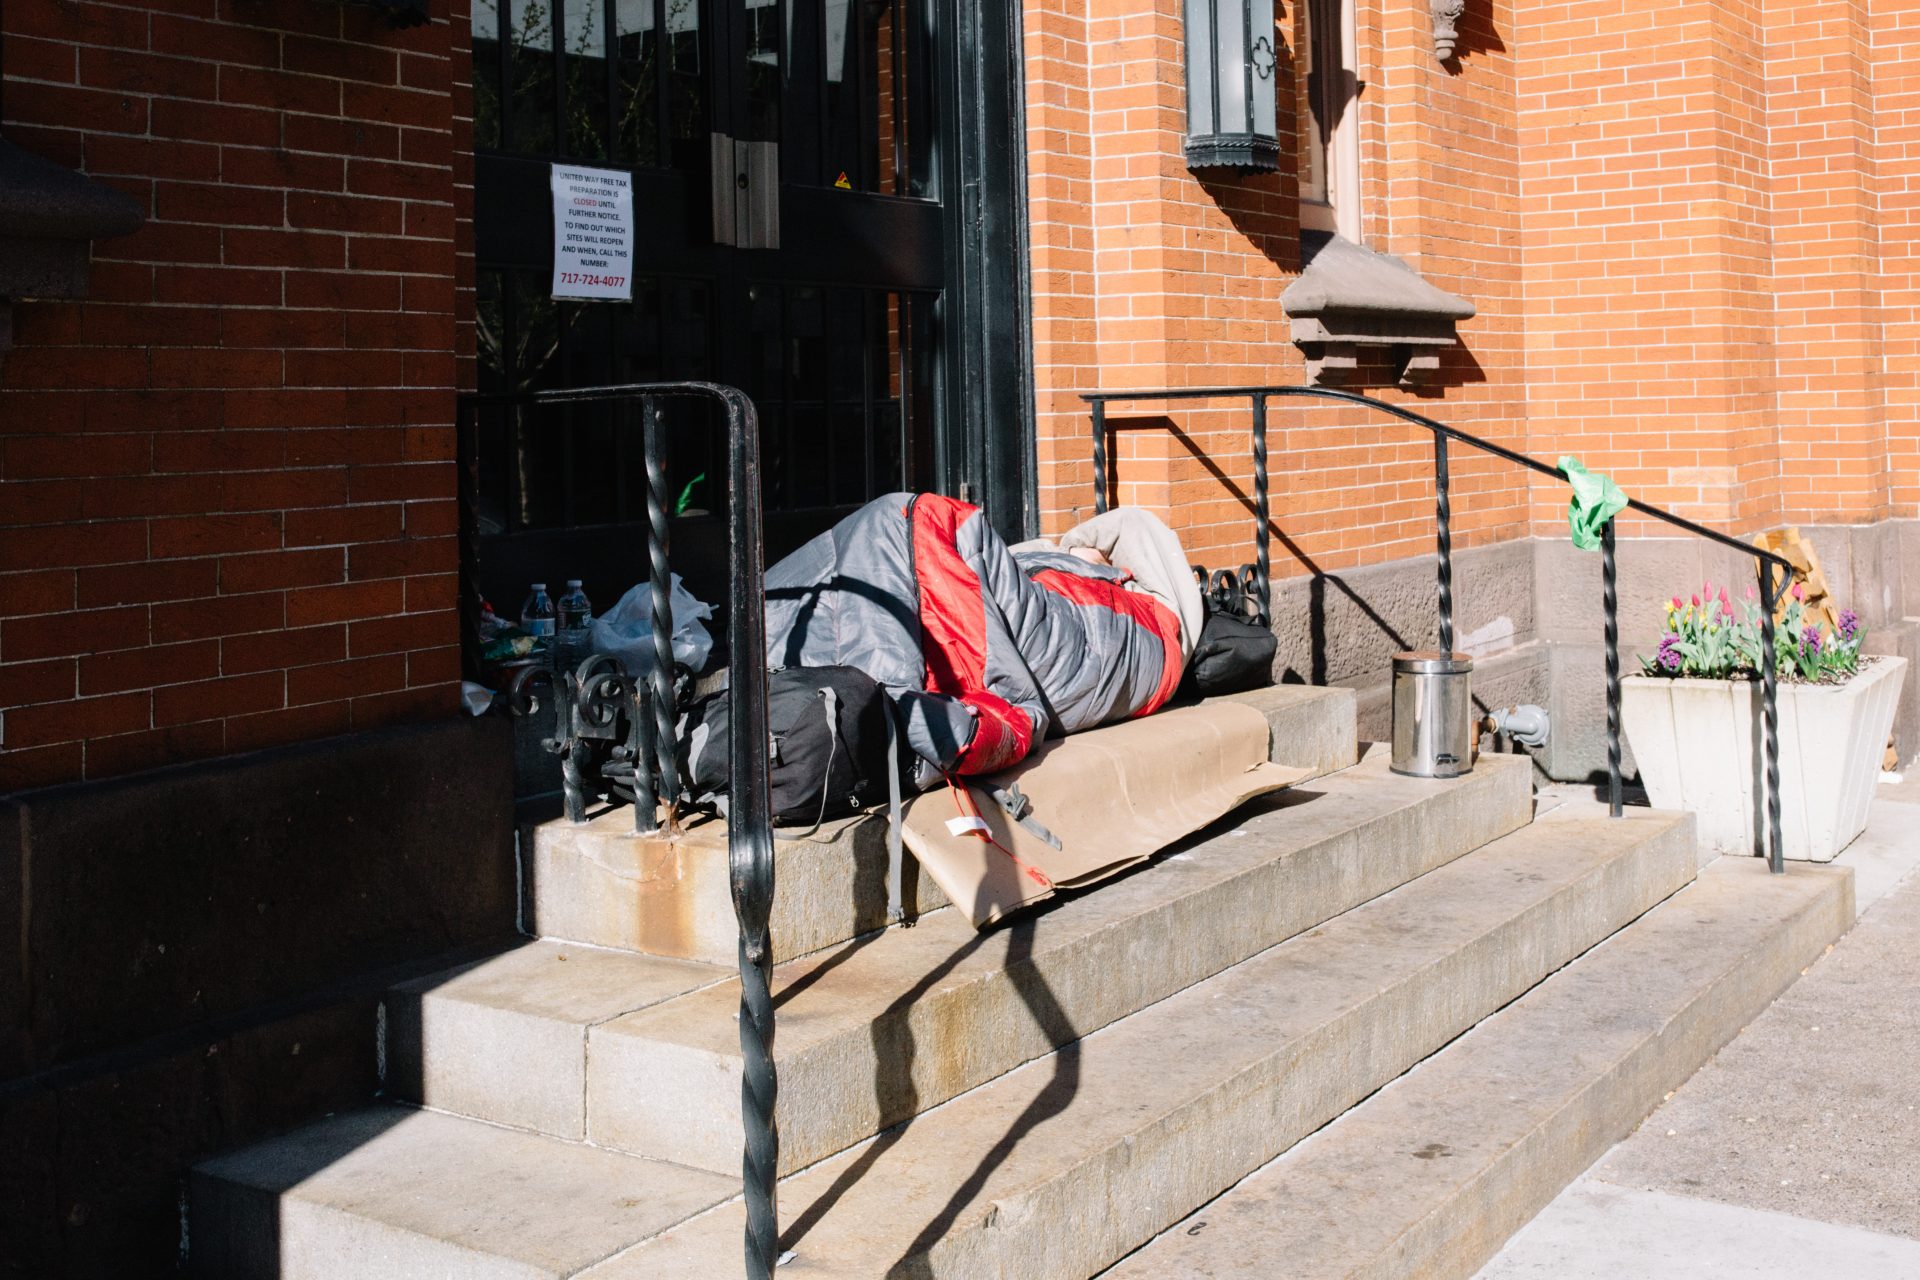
1705, 639
1818, 653
1708, 638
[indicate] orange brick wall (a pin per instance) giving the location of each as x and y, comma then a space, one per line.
1692, 232
1689, 230
1895, 64
228, 516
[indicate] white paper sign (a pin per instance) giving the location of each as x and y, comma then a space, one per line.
592, 233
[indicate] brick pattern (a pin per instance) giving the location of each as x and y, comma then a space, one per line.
1689, 230
1145, 275
1895, 68
1830, 403
227, 503
1692, 232
1644, 185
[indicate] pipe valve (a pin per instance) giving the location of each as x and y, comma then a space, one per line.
1527, 725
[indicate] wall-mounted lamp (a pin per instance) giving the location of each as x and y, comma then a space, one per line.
1231, 76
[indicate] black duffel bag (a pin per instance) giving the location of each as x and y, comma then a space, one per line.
830, 750
1232, 656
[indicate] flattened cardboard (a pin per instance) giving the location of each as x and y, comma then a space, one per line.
1112, 797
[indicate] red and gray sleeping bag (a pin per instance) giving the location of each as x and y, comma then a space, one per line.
987, 651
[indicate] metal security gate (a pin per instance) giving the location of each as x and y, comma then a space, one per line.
820, 220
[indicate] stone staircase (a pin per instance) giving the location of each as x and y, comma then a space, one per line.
1367, 1026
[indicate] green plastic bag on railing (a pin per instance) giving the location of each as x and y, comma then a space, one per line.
1596, 500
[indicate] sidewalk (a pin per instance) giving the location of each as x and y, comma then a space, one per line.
1795, 1152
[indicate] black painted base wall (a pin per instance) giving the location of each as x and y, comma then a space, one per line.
192, 959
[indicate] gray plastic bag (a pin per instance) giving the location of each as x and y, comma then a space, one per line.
626, 630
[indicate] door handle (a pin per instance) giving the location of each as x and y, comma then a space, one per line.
746, 192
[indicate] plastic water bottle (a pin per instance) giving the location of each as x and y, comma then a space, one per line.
575, 616
537, 617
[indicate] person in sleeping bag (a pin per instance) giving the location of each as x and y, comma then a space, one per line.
988, 650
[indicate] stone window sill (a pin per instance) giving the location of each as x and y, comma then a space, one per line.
1349, 297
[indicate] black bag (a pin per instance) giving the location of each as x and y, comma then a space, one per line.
830, 749
1232, 656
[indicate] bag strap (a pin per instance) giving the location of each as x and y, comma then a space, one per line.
898, 910
830, 703
1020, 809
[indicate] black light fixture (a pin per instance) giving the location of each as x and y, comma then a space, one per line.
1231, 76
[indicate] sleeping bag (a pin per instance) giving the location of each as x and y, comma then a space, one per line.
986, 652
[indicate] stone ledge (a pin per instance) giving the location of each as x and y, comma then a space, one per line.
1349, 297
600, 883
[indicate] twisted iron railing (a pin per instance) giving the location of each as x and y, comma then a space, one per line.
1443, 435
627, 726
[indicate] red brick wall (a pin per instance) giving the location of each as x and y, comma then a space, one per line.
1148, 276
1692, 231
1895, 61
227, 512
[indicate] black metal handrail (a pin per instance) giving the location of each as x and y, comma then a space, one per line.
1258, 396
591, 700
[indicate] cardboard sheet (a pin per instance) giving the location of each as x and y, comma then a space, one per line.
1111, 797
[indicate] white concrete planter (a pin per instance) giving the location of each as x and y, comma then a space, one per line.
1698, 746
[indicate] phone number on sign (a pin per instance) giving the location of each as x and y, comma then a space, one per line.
605, 282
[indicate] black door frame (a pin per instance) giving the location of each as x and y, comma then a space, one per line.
990, 399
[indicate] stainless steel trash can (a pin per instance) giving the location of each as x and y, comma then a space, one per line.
1432, 714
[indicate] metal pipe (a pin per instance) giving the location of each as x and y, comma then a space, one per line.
1770, 721
750, 836
1099, 457
1443, 540
1610, 609
659, 581
1262, 559
467, 452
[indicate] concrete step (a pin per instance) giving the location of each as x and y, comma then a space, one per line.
1063, 1166
1052, 1170
599, 883
889, 1025
389, 1193
505, 1037
1431, 1175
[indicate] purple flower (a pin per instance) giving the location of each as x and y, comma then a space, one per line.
1810, 639
1668, 655
1849, 624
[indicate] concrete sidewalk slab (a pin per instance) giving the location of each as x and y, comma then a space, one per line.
1889, 849
1803, 1134
1679, 1236
1815, 1109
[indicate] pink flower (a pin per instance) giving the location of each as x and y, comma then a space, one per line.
1674, 603
1799, 591
1751, 593
1696, 602
1725, 603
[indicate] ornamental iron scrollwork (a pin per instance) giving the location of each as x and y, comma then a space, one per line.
600, 719
1237, 594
